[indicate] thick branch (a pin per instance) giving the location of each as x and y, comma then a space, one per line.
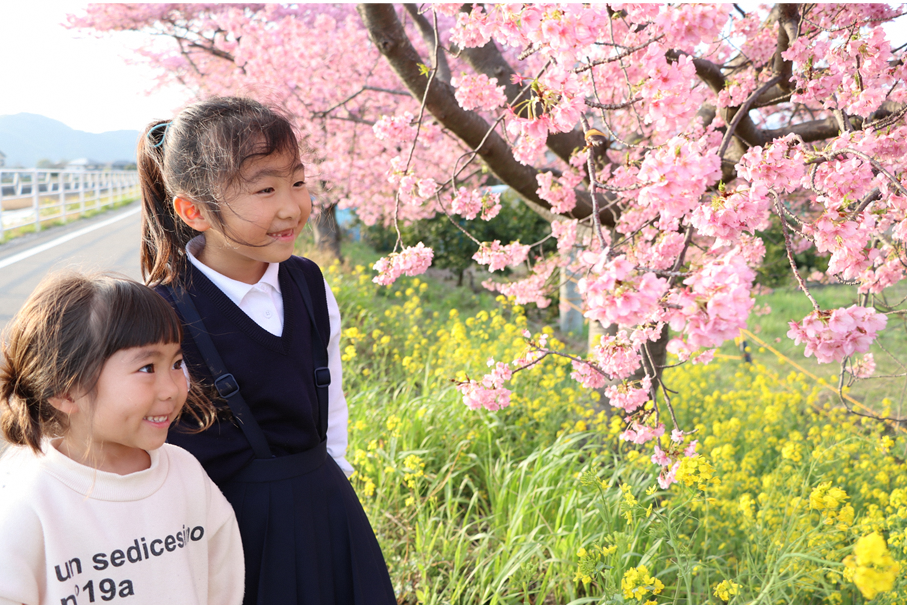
741, 113
788, 26
814, 130
388, 36
428, 34
488, 60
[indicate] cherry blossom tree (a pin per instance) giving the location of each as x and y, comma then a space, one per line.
661, 141
315, 62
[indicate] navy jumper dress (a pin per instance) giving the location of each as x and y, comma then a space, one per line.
305, 536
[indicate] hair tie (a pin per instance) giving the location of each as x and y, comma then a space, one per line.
166, 125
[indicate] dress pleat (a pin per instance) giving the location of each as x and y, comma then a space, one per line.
307, 541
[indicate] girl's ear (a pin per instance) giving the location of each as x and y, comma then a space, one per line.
190, 214
64, 403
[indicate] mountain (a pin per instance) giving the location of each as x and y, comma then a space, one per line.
26, 138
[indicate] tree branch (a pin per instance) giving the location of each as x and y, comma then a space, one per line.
741, 113
388, 36
488, 60
788, 28
430, 37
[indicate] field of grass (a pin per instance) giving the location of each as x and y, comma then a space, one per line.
788, 304
541, 503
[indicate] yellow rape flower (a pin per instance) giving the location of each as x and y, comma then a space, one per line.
871, 567
393, 422
824, 496
368, 488
637, 583
726, 589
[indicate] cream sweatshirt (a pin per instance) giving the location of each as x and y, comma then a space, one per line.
72, 535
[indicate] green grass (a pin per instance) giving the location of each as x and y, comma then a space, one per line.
789, 304
496, 507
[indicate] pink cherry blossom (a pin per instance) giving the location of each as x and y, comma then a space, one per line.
478, 92
834, 335
865, 367
642, 433
498, 257
470, 203
410, 261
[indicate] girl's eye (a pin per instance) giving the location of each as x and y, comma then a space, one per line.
299, 184
267, 190
148, 369
178, 364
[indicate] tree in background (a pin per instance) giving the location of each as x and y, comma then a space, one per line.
315, 62
659, 140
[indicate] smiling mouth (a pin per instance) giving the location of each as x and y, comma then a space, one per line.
282, 234
157, 419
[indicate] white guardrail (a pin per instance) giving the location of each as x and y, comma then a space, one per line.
36, 196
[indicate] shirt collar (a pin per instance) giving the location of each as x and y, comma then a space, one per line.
235, 290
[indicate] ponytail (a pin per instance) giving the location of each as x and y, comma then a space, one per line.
164, 234
25, 416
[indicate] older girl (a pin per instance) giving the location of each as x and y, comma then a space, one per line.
224, 198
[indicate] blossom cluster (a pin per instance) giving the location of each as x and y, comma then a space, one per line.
834, 335
498, 256
478, 92
413, 260
395, 129
616, 293
871, 567
470, 203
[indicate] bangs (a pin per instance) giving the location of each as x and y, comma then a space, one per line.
268, 137
135, 316
244, 132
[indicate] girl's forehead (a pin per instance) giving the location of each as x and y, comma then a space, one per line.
275, 164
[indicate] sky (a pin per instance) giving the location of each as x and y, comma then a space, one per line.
82, 81
85, 82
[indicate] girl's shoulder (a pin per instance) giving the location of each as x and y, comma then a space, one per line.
181, 461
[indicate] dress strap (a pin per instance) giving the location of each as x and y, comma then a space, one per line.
224, 382
319, 351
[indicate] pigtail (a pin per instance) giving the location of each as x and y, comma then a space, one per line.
164, 234
26, 415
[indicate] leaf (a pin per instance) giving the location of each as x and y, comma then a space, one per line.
424, 69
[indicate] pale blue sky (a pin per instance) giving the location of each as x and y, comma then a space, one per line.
79, 80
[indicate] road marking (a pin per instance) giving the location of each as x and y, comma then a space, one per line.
65, 238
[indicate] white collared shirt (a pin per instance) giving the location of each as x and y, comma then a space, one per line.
263, 303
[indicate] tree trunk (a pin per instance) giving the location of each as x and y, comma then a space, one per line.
327, 234
571, 315
657, 350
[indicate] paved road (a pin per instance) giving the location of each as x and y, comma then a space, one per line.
108, 241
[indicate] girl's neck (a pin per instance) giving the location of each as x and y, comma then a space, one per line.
112, 458
219, 257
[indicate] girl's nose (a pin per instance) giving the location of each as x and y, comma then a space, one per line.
289, 208
171, 384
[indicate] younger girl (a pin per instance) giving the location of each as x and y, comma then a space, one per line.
94, 506
224, 197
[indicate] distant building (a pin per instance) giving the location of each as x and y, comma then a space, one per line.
2, 159
84, 164
121, 165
